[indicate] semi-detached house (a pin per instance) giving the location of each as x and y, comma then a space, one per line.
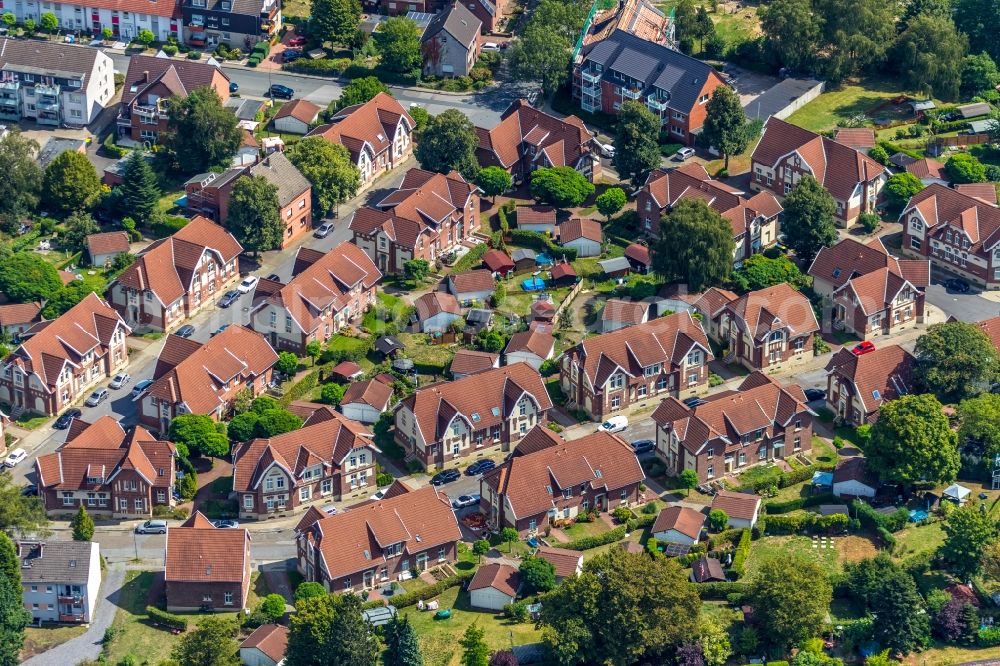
177, 276
379, 541
559, 481
624, 68
786, 153
59, 360
125, 19
858, 386
483, 413
330, 458
609, 373
326, 292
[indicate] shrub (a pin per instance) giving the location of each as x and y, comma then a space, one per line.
537, 241
194, 55
868, 221
304, 386
720, 591
650, 508
742, 551
384, 479
165, 619
470, 259
169, 49
113, 149
517, 611
988, 636
429, 592
799, 503
717, 520
715, 380
588, 542
167, 225
622, 514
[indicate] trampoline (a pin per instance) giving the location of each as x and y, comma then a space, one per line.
534, 283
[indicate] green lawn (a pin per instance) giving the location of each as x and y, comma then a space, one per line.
850, 549
919, 539
391, 307
40, 639
427, 355
439, 638
580, 530
843, 103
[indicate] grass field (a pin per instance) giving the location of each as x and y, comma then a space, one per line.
439, 638
580, 530
840, 104
40, 639
846, 549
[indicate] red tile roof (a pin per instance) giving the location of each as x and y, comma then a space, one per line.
271, 639
198, 552
346, 369
774, 308
180, 77
434, 303
111, 242
566, 562
927, 168
985, 191
992, 328
536, 215
538, 341
471, 282
167, 267
943, 208
639, 254
887, 372
501, 577
14, 314
498, 261
683, 519
468, 362
372, 392
629, 313
539, 437
563, 142
578, 228
858, 138
742, 506
300, 109
370, 126
563, 269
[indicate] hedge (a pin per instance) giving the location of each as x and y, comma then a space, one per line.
304, 386
588, 542
801, 522
719, 591
731, 536
470, 259
319, 67
112, 148
642, 521
742, 551
537, 241
988, 636
872, 519
167, 225
425, 593
165, 619
892, 149
800, 503
803, 474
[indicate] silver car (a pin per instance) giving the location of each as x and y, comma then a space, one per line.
97, 397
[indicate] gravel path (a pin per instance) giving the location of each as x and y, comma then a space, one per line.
87, 646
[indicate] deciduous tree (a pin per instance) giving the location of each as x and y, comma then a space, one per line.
979, 74
330, 630
22, 177
912, 441
475, 651
714, 639
27, 277
288, 363
900, 187
695, 246
973, 17
903, 623
808, 223
493, 181
636, 150
965, 168
199, 434
611, 201
359, 91
77, 227
336, 20
416, 270
790, 597
273, 422
856, 34
509, 536
399, 42
71, 182
563, 187
20, 515
929, 55
202, 133
792, 29
213, 643
726, 127
955, 360
969, 533
624, 608
139, 193
689, 480
48, 22
255, 214
537, 575
760, 272
448, 143
979, 432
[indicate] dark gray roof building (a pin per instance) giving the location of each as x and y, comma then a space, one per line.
55, 561
458, 22
279, 170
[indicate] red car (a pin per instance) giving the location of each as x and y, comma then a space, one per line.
297, 40
863, 348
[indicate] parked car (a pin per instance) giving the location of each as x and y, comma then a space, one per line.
694, 401
330, 510
288, 55
140, 387
491, 46
30, 490
643, 446
479, 467
683, 154
815, 394
152, 527
247, 285
185, 331
226, 524
14, 457
465, 500
447, 476
379, 495
233, 87
297, 40
228, 299
958, 285
614, 424
323, 230
219, 330
865, 347
273, 277
120, 380
607, 150
97, 397
66, 418
278, 90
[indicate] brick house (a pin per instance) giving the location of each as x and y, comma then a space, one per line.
327, 291
58, 361
754, 220
610, 373
104, 248
527, 138
857, 386
113, 472
330, 458
960, 234
532, 491
450, 43
483, 413
869, 291
767, 328
206, 567
377, 134
786, 153
759, 422
195, 378
177, 276
151, 81
377, 541
237, 24
429, 215
622, 67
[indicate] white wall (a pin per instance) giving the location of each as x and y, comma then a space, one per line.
854, 488
673, 536
525, 357
359, 411
489, 599
291, 125
584, 247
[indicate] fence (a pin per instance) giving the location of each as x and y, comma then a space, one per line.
962, 140
569, 299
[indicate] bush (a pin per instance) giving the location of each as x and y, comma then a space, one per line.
720, 591
799, 503
319, 67
305, 385
805, 522
169, 49
537, 241
988, 636
113, 149
165, 619
742, 551
650, 509
194, 55
429, 592
872, 519
717, 520
167, 225
868, 221
516, 612
622, 514
589, 542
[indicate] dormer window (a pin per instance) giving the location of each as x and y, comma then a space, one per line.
652, 369
393, 550
617, 381
694, 357
775, 336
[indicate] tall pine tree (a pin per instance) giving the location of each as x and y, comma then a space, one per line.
139, 191
401, 645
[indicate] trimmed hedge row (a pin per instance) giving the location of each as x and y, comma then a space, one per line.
730, 536
803, 522
742, 551
304, 386
720, 591
165, 619
803, 474
988, 636
537, 241
800, 503
588, 542
872, 519
425, 593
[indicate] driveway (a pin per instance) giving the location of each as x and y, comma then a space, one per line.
88, 646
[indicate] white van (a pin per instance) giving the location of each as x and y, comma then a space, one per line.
614, 424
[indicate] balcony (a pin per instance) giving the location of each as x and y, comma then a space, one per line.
631, 93
66, 617
10, 87
48, 96
656, 104
69, 598
590, 77
48, 117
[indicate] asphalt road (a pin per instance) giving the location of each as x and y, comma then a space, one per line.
483, 108
123, 545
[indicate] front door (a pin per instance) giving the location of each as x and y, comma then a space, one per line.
422, 562
369, 578
600, 502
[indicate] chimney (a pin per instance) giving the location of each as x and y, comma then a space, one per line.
145, 76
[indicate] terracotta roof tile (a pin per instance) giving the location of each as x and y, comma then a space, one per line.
536, 215
372, 392
563, 141
198, 552
300, 109
858, 138
271, 639
539, 437
765, 310
179, 76
927, 168
886, 372
468, 362
501, 577
736, 505
566, 562
639, 254
498, 261
370, 126
984, 191
538, 341
436, 302
577, 228
14, 314
628, 312
110, 242
992, 328
683, 519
